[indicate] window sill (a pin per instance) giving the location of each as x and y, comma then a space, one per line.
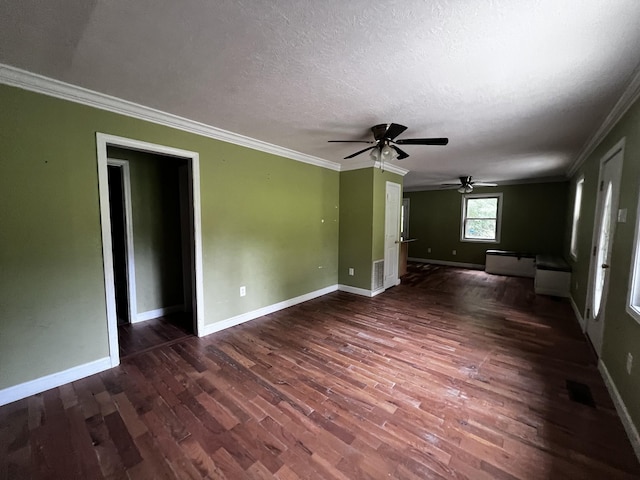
479, 240
634, 311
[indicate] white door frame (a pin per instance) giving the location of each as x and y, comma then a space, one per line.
618, 148
128, 226
395, 189
193, 158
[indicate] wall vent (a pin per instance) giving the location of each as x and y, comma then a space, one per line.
378, 275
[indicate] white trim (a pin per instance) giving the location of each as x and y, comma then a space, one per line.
360, 291
107, 252
260, 312
391, 275
388, 167
16, 77
576, 312
102, 141
32, 387
472, 266
633, 297
621, 408
626, 100
158, 312
132, 303
463, 217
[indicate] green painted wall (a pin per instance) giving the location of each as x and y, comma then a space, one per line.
533, 220
356, 227
155, 208
621, 332
268, 222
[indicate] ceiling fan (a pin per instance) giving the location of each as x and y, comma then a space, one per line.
466, 184
384, 146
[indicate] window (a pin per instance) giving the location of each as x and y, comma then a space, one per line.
633, 305
404, 219
576, 219
481, 218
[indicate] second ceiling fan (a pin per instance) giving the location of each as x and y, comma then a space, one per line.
466, 184
385, 146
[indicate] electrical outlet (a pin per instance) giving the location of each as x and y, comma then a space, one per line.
351, 272
429, 250
243, 291
629, 362
454, 252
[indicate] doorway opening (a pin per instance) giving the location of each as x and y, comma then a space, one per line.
119, 241
150, 212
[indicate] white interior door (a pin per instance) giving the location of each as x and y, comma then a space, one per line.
392, 234
604, 228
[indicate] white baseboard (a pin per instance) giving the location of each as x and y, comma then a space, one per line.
54, 380
576, 312
360, 291
473, 266
627, 422
245, 317
159, 312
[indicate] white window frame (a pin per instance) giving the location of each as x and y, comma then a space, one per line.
633, 300
463, 217
404, 219
575, 222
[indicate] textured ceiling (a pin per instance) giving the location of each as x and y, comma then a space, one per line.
517, 86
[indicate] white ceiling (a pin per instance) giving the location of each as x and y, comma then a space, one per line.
518, 86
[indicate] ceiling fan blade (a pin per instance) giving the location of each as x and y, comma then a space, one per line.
349, 141
401, 153
394, 130
422, 141
484, 184
449, 184
361, 151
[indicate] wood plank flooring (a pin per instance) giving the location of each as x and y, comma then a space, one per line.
453, 374
134, 338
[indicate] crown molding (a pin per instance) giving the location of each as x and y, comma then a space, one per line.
33, 82
630, 95
388, 167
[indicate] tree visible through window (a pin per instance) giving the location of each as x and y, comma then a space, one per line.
481, 218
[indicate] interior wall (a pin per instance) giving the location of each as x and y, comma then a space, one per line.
268, 223
155, 208
533, 220
362, 210
356, 227
621, 331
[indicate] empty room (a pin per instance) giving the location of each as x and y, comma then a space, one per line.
320, 240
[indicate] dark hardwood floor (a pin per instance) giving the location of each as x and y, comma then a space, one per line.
134, 338
453, 374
